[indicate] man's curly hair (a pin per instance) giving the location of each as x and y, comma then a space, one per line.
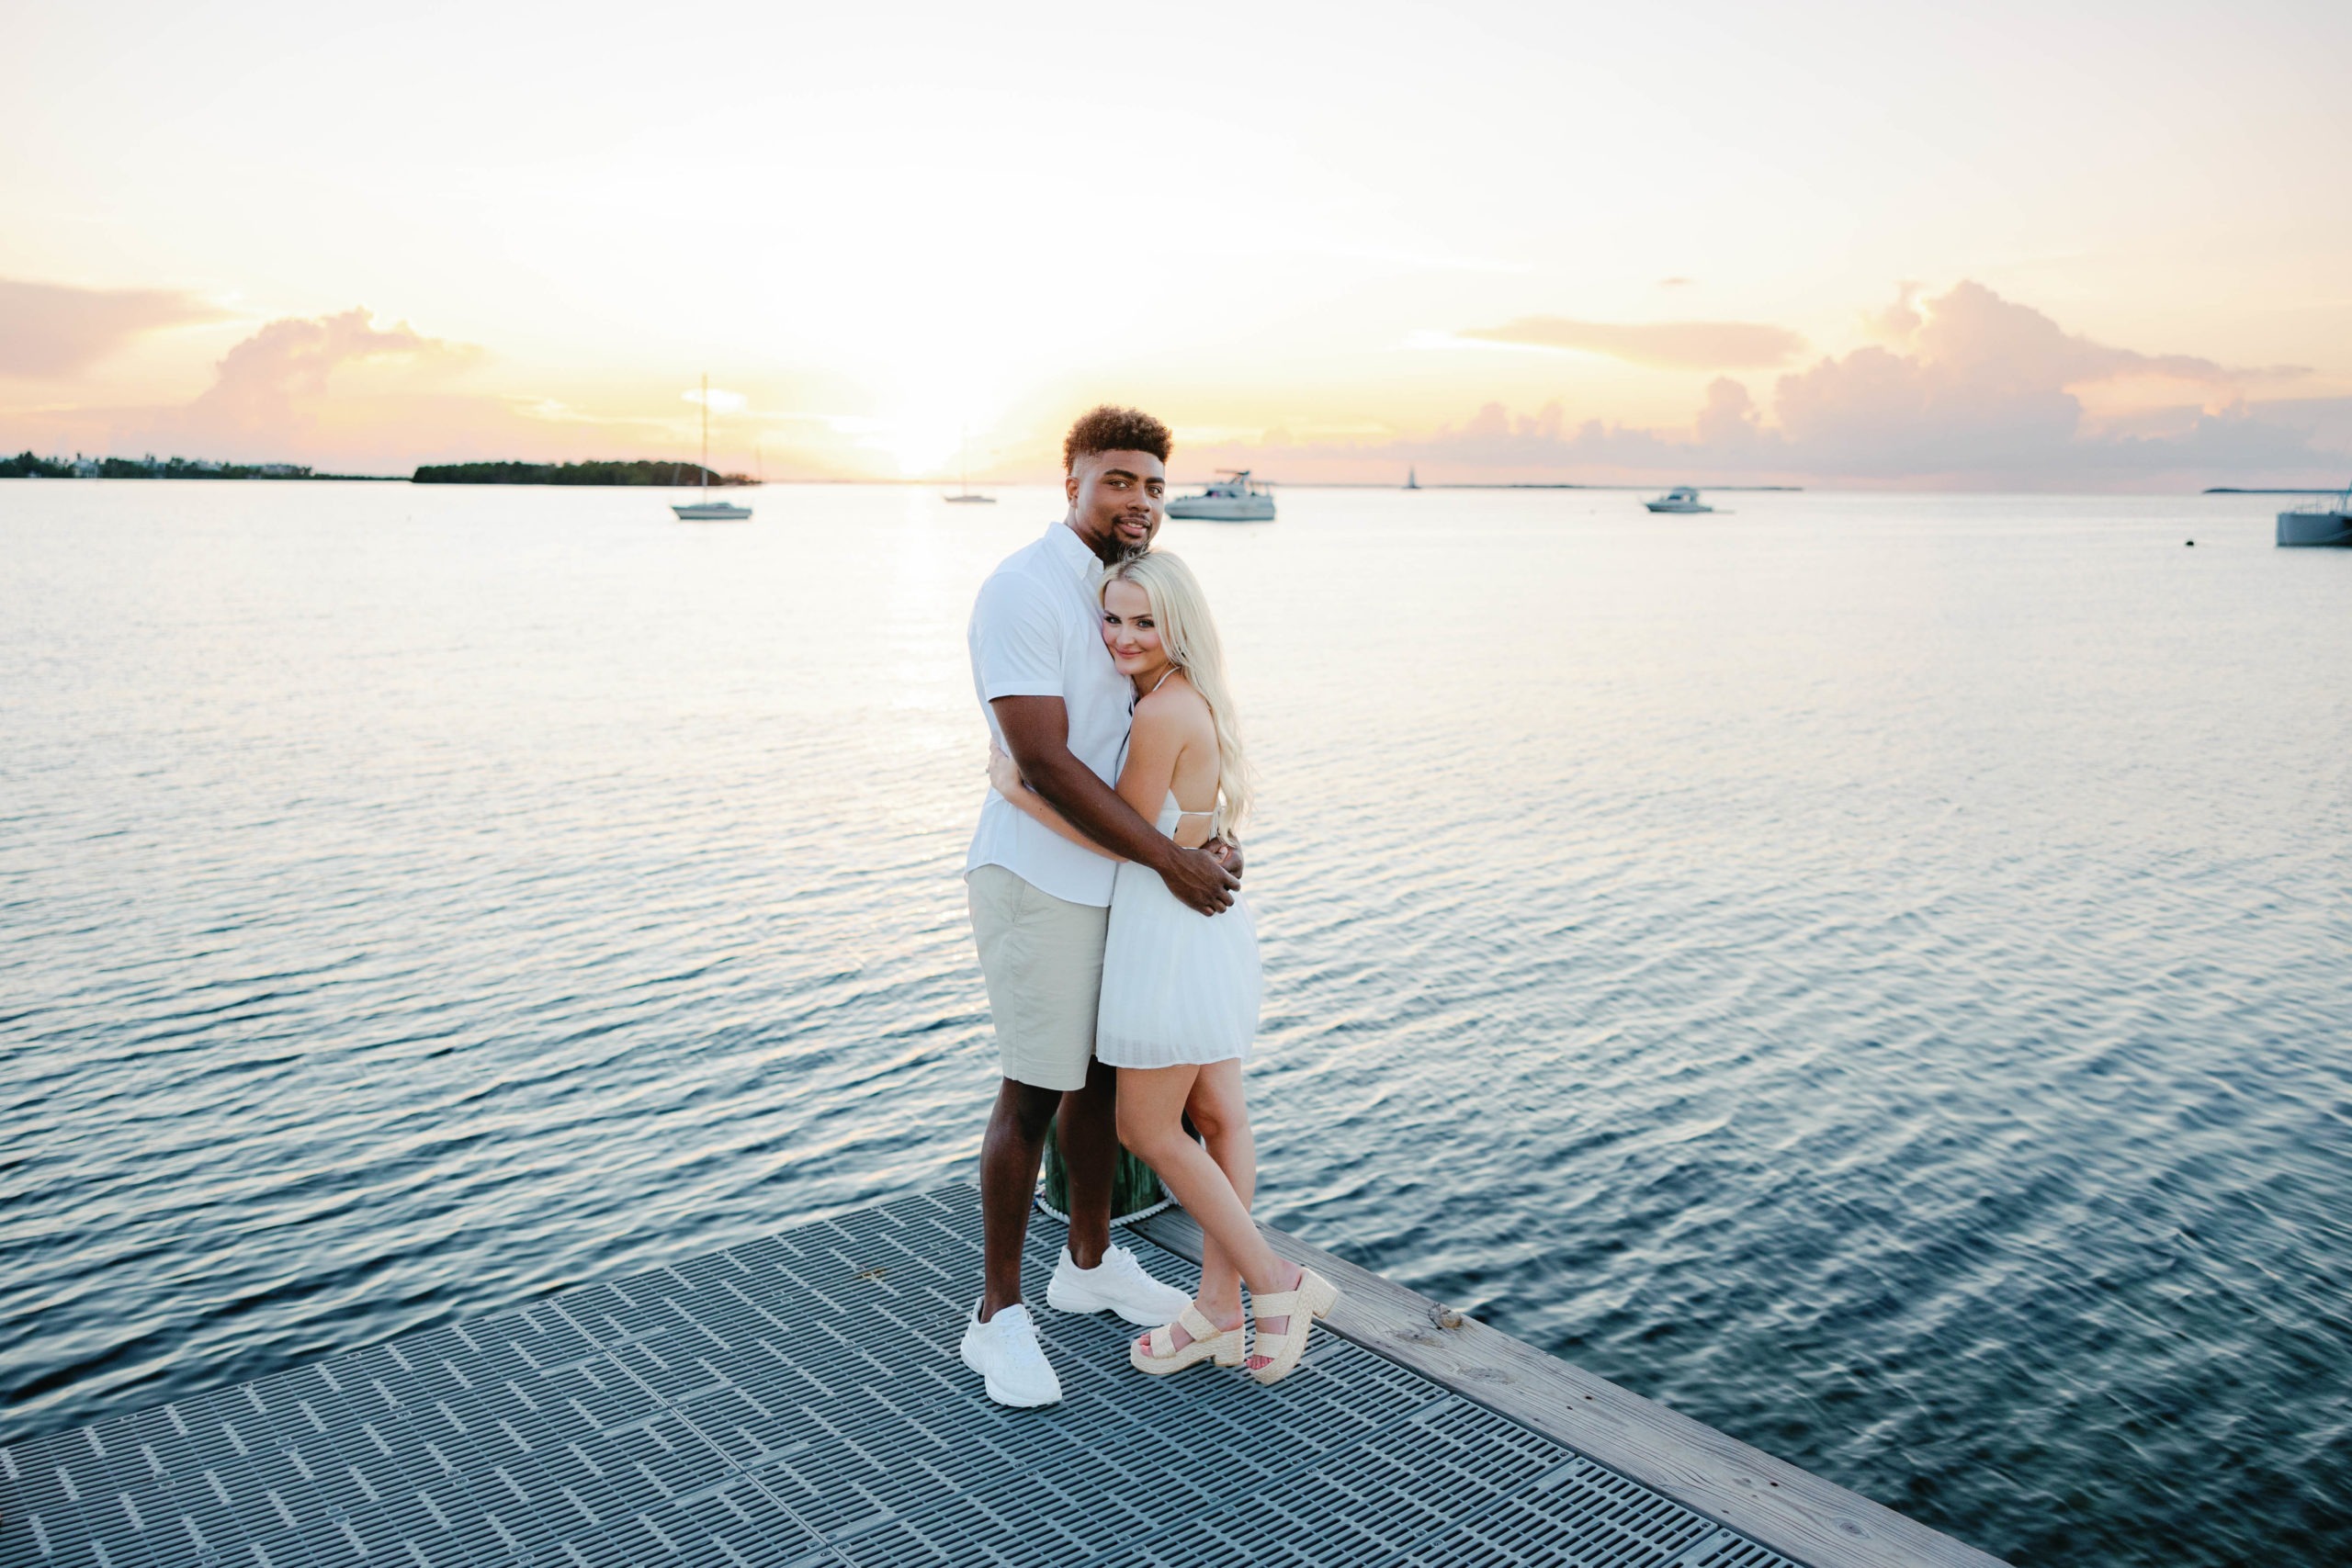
1108, 428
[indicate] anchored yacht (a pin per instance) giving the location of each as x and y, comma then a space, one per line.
2324, 520
1682, 497
1234, 497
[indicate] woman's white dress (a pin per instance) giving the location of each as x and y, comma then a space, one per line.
1178, 986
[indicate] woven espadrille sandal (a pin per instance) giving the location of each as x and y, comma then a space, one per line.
1208, 1340
1312, 1297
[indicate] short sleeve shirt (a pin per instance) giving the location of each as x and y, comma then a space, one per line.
1037, 631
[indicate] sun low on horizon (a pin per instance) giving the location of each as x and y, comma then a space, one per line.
1823, 243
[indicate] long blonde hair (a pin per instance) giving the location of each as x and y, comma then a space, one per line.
1188, 635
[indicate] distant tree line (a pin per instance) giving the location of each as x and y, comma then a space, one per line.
592, 472
25, 466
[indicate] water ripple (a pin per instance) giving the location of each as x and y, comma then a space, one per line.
1863, 970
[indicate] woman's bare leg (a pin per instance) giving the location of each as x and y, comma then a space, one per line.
1151, 1109
1221, 1111
1221, 1116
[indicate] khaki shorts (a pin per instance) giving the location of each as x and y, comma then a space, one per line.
1042, 957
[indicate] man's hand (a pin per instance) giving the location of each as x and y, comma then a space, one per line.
1197, 880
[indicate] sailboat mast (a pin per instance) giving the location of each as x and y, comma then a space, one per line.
706, 435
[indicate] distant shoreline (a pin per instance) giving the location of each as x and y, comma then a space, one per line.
593, 471
25, 466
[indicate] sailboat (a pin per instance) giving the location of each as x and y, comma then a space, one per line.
968, 496
706, 509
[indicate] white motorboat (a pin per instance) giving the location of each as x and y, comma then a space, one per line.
706, 509
2324, 520
1682, 497
1234, 497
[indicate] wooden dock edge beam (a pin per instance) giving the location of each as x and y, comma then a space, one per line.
1801, 1516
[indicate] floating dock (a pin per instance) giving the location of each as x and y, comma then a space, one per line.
797, 1402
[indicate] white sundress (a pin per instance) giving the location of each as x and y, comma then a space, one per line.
1178, 986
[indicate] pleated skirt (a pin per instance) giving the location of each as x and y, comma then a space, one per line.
1178, 986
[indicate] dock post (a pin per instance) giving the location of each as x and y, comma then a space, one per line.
1136, 1192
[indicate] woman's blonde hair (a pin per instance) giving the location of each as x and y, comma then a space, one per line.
1188, 635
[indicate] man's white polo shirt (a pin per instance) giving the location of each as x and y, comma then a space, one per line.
1037, 631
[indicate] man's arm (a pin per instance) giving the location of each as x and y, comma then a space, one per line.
1036, 731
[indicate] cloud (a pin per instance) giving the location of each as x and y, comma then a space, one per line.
1965, 390
336, 390
49, 330
1730, 422
1971, 383
721, 401
277, 379
1666, 345
1974, 331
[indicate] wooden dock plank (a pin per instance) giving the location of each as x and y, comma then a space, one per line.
1799, 1515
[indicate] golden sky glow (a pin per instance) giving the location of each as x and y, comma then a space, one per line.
2100, 245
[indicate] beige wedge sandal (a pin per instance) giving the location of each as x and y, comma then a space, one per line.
1313, 1297
1208, 1340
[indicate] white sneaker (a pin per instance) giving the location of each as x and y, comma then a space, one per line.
1005, 1351
1118, 1284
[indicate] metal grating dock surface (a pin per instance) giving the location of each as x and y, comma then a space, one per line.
798, 1400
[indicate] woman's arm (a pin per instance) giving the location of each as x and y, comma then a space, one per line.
1004, 774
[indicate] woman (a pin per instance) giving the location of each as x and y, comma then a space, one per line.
1180, 989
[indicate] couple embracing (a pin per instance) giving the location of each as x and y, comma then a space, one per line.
1122, 965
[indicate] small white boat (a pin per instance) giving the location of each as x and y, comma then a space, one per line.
1234, 497
1682, 497
966, 495
2324, 520
706, 509
711, 512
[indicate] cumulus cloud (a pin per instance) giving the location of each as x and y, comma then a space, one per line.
1730, 422
49, 330
1976, 330
277, 379
334, 390
1969, 382
1665, 345
1964, 388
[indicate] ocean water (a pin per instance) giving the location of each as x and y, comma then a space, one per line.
1872, 972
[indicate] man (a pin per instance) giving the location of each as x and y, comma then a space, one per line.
1040, 904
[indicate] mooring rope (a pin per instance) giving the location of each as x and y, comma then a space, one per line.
1048, 1209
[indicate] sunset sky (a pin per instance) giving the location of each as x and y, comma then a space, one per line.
2096, 246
